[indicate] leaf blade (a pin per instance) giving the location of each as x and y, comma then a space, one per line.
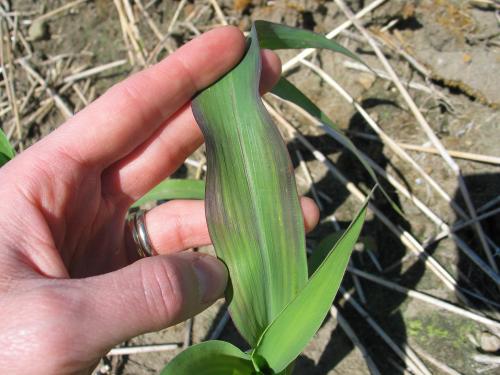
172, 188
6, 150
210, 358
276, 36
279, 345
252, 207
288, 91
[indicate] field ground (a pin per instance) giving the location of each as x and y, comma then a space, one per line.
445, 52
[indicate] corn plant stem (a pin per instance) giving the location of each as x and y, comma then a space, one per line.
426, 128
406, 354
93, 71
59, 102
220, 325
142, 349
426, 298
332, 34
335, 313
405, 237
431, 150
8, 78
381, 74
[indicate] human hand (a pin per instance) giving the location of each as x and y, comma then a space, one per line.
71, 283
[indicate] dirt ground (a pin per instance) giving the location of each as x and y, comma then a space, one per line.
446, 53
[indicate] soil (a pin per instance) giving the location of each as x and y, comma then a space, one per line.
456, 45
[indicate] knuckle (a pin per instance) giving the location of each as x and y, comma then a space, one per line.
164, 292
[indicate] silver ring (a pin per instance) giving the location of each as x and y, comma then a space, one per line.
140, 234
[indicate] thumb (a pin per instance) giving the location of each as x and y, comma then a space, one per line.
152, 294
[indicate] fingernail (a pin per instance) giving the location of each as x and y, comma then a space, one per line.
212, 277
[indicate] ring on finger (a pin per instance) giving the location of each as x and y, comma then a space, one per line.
137, 225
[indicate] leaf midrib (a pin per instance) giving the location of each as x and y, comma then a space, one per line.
251, 188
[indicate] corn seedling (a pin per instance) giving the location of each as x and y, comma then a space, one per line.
255, 220
276, 299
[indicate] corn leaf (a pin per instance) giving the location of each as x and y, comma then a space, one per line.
172, 188
321, 251
6, 150
210, 358
288, 91
252, 207
276, 36
287, 336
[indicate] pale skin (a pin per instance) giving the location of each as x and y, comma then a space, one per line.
71, 283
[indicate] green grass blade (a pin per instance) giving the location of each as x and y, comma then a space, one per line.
253, 211
288, 91
276, 36
321, 251
210, 358
172, 188
287, 336
6, 150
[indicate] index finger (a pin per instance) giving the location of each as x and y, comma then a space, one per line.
129, 113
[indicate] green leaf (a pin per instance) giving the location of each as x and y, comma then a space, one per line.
252, 207
288, 91
321, 251
174, 189
290, 332
210, 358
275, 36
6, 150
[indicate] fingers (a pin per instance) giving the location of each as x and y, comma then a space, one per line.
151, 294
179, 225
130, 112
168, 147
271, 70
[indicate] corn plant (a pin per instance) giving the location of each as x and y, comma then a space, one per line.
6, 150
255, 220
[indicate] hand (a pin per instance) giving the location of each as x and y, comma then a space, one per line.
71, 283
